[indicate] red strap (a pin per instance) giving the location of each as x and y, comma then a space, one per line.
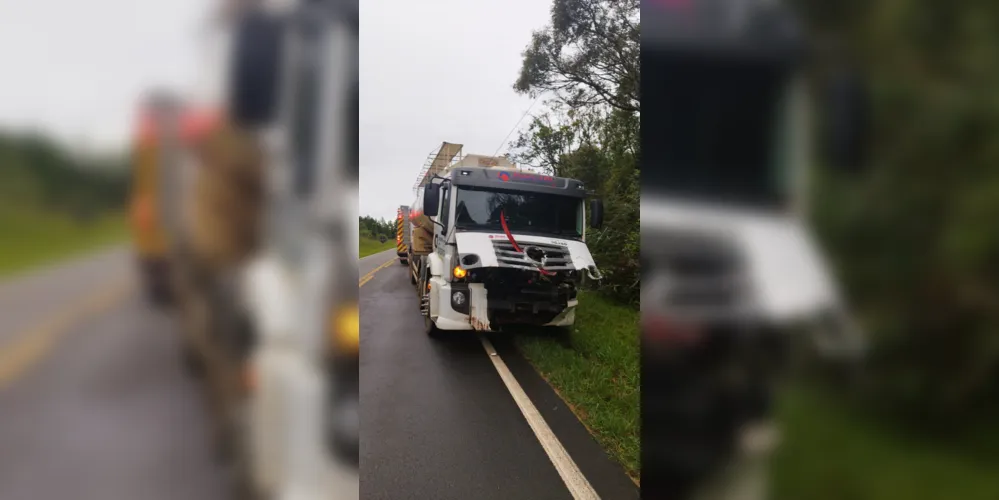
509, 236
506, 230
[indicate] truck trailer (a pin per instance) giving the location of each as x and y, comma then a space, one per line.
402, 234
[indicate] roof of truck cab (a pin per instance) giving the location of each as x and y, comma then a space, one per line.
519, 180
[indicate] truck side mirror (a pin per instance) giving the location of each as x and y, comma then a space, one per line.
846, 122
596, 214
256, 68
431, 199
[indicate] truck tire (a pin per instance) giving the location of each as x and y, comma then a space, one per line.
430, 328
403, 261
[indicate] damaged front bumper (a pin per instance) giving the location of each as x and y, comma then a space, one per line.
467, 306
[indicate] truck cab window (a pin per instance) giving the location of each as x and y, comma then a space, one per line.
445, 210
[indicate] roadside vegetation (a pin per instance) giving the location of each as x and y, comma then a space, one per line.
32, 238
53, 206
595, 370
370, 246
371, 230
833, 450
915, 246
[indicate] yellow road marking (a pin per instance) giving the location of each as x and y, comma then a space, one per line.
31, 346
367, 277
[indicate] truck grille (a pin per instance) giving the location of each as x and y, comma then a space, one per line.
704, 275
556, 258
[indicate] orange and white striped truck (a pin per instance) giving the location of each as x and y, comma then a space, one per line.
402, 234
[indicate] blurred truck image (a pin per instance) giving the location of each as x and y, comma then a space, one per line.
148, 234
492, 245
265, 299
730, 269
166, 127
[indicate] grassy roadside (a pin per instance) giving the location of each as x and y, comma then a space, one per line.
831, 451
597, 373
369, 246
32, 238
828, 451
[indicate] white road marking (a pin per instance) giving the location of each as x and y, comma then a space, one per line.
577, 483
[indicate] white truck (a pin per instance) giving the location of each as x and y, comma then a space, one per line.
290, 77
508, 246
730, 268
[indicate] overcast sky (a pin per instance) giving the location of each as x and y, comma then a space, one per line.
430, 72
75, 68
436, 71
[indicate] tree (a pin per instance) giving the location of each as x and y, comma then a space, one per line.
587, 62
588, 55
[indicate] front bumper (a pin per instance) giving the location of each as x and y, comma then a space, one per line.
480, 313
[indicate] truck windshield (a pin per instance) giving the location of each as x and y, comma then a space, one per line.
478, 209
715, 129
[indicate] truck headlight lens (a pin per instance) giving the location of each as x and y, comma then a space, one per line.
459, 272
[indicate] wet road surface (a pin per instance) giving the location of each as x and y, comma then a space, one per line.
438, 421
94, 403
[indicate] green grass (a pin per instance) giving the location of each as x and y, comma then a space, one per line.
33, 238
596, 372
832, 451
829, 449
370, 246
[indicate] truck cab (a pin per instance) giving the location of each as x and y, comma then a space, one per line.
730, 267
508, 248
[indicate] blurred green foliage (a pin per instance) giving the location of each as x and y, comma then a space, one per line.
53, 204
36, 172
914, 239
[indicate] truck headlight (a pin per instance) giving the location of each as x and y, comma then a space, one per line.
458, 298
344, 329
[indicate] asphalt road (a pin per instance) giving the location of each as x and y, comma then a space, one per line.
94, 403
93, 400
439, 422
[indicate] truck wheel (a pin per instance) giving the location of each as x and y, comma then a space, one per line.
403, 261
430, 328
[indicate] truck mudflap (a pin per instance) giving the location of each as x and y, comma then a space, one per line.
478, 315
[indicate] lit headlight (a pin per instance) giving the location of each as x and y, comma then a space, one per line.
344, 330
